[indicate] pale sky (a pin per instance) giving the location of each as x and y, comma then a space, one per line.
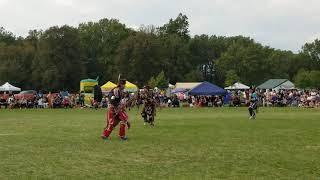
282, 24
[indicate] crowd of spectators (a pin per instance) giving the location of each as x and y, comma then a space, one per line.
281, 98
269, 98
40, 100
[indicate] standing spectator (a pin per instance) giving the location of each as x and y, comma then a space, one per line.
246, 97
50, 98
81, 99
73, 100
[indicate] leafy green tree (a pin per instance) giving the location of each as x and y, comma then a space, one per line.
176, 58
152, 82
161, 80
139, 57
248, 61
6, 36
99, 42
193, 76
315, 78
312, 51
57, 58
58, 64
231, 78
297, 62
16, 60
202, 50
278, 64
178, 26
302, 79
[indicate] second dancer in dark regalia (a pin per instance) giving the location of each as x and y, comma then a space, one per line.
149, 109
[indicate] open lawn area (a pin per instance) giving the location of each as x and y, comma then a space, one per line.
186, 143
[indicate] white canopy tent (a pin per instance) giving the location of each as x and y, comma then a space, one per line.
8, 87
237, 86
170, 86
188, 85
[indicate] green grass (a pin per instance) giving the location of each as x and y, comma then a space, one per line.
217, 143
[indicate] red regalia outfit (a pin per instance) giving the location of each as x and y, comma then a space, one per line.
116, 114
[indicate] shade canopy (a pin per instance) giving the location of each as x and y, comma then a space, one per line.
207, 89
186, 85
277, 84
88, 80
237, 86
170, 86
108, 86
130, 87
8, 87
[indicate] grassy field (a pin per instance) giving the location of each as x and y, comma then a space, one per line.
220, 143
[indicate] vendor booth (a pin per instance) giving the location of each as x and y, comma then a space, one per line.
86, 87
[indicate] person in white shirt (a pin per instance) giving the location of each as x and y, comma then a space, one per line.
40, 103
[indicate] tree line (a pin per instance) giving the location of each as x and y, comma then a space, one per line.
59, 57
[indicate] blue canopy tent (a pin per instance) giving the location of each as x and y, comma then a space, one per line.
207, 89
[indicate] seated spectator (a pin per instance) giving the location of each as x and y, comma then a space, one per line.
236, 101
175, 102
56, 102
190, 101
45, 102
169, 102
219, 101
30, 104
104, 102
274, 99
66, 102
23, 103
209, 103
3, 102
40, 103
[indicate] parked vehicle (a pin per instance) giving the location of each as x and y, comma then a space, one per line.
4, 96
27, 95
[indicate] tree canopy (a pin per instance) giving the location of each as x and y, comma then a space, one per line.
59, 57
